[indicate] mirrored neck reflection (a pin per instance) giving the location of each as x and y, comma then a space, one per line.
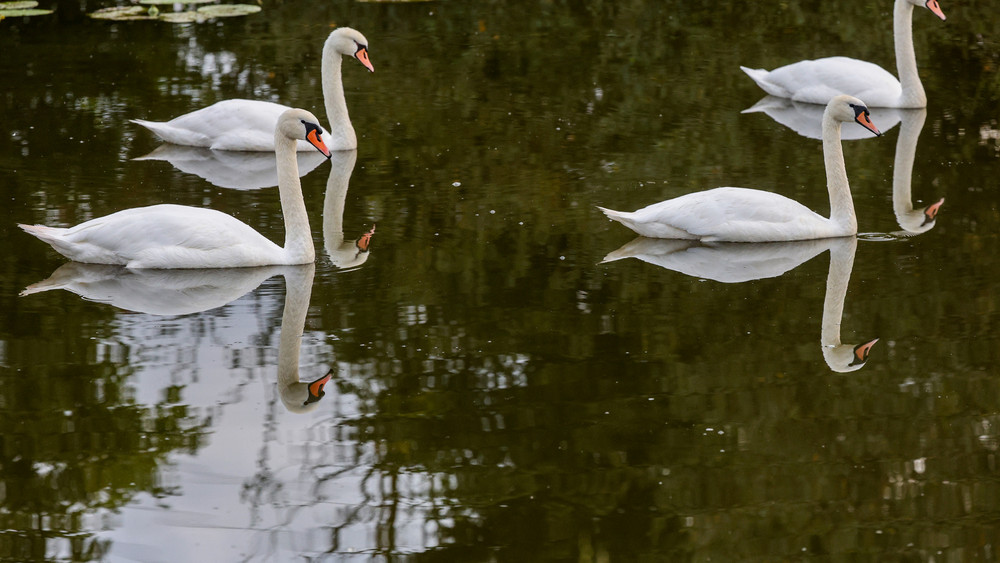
806, 120
742, 262
343, 253
182, 292
236, 170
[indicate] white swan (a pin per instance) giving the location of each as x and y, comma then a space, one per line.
178, 236
816, 81
343, 253
745, 215
737, 263
248, 125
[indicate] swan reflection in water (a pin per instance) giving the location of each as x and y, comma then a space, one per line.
183, 292
741, 262
344, 254
806, 120
235, 170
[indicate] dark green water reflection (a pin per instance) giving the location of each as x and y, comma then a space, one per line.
499, 393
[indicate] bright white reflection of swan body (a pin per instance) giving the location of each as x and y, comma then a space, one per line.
177, 236
746, 215
807, 119
183, 292
817, 81
737, 263
247, 125
235, 170
343, 253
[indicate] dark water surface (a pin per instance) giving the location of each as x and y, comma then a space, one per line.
499, 393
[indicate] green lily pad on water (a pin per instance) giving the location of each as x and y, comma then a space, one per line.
121, 13
20, 9
182, 17
228, 10
175, 1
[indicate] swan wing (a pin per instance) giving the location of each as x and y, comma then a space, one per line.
229, 125
818, 81
736, 214
163, 236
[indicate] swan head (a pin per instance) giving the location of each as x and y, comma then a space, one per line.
919, 220
298, 124
350, 43
846, 108
931, 5
846, 357
301, 397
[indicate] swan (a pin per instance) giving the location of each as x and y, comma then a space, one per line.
343, 253
178, 236
746, 215
816, 81
247, 125
737, 263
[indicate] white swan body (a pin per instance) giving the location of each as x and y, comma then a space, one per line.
745, 215
817, 81
248, 125
177, 236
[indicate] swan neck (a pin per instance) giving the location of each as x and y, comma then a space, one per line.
342, 136
341, 167
841, 203
298, 238
902, 167
841, 263
913, 95
298, 289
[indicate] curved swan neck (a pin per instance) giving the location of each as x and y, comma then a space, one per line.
342, 136
341, 167
913, 95
841, 202
298, 289
298, 238
902, 167
841, 263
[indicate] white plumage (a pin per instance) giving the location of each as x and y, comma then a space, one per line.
746, 215
177, 236
248, 125
817, 81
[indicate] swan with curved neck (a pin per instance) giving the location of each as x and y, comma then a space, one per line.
816, 81
912, 221
247, 125
179, 236
839, 356
746, 215
298, 396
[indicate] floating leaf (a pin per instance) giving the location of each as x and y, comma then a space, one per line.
228, 10
21, 5
23, 13
121, 13
182, 17
175, 1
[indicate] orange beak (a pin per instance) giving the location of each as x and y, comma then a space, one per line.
365, 240
314, 139
866, 122
932, 210
862, 351
362, 55
316, 388
933, 6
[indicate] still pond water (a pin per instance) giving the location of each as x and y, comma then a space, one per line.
500, 391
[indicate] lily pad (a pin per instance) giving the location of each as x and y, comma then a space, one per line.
23, 13
228, 10
175, 1
121, 13
182, 17
21, 5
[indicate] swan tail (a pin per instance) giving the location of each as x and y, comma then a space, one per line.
53, 236
623, 217
761, 77
174, 135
